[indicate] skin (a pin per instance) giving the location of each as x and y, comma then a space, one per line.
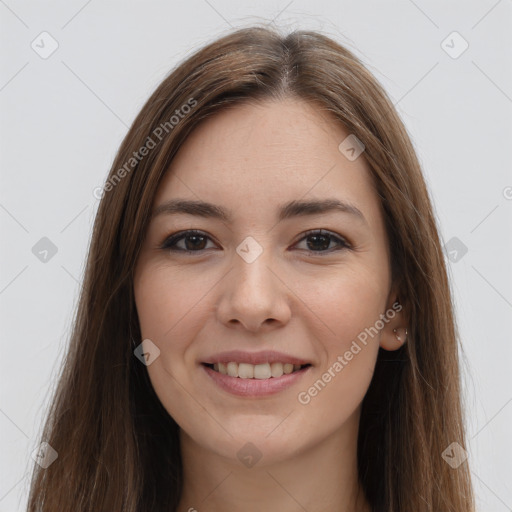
311, 304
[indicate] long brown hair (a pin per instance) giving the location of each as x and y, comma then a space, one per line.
118, 448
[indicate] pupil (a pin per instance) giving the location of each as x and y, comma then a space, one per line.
325, 239
195, 245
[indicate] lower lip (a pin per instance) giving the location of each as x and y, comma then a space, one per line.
255, 387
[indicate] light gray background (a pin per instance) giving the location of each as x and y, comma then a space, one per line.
64, 117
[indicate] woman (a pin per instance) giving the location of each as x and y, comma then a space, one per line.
265, 321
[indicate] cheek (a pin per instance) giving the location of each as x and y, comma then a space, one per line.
349, 309
347, 301
165, 300
167, 307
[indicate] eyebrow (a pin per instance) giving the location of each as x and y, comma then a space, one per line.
286, 211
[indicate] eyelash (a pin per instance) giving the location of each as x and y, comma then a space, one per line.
170, 242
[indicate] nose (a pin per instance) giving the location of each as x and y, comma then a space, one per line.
254, 296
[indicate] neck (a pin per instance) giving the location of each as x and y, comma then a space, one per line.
322, 477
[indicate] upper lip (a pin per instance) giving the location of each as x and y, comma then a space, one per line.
264, 356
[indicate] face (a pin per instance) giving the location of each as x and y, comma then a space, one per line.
262, 286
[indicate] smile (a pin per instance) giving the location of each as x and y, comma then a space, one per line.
256, 371
254, 381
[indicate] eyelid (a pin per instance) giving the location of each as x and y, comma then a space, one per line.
179, 235
320, 231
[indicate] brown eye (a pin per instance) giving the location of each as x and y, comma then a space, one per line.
194, 241
320, 241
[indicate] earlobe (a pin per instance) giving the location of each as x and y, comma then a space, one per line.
401, 334
393, 338
394, 334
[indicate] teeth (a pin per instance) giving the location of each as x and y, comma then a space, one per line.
255, 371
276, 369
245, 371
232, 369
262, 371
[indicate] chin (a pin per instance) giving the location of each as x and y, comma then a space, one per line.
268, 449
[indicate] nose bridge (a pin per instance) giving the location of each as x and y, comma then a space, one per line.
251, 264
253, 294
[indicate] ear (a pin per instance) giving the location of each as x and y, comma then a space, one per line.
394, 333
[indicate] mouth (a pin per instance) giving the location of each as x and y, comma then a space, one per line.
261, 380
262, 371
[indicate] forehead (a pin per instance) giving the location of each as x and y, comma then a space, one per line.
252, 156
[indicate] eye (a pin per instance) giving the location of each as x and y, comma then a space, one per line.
194, 240
318, 241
